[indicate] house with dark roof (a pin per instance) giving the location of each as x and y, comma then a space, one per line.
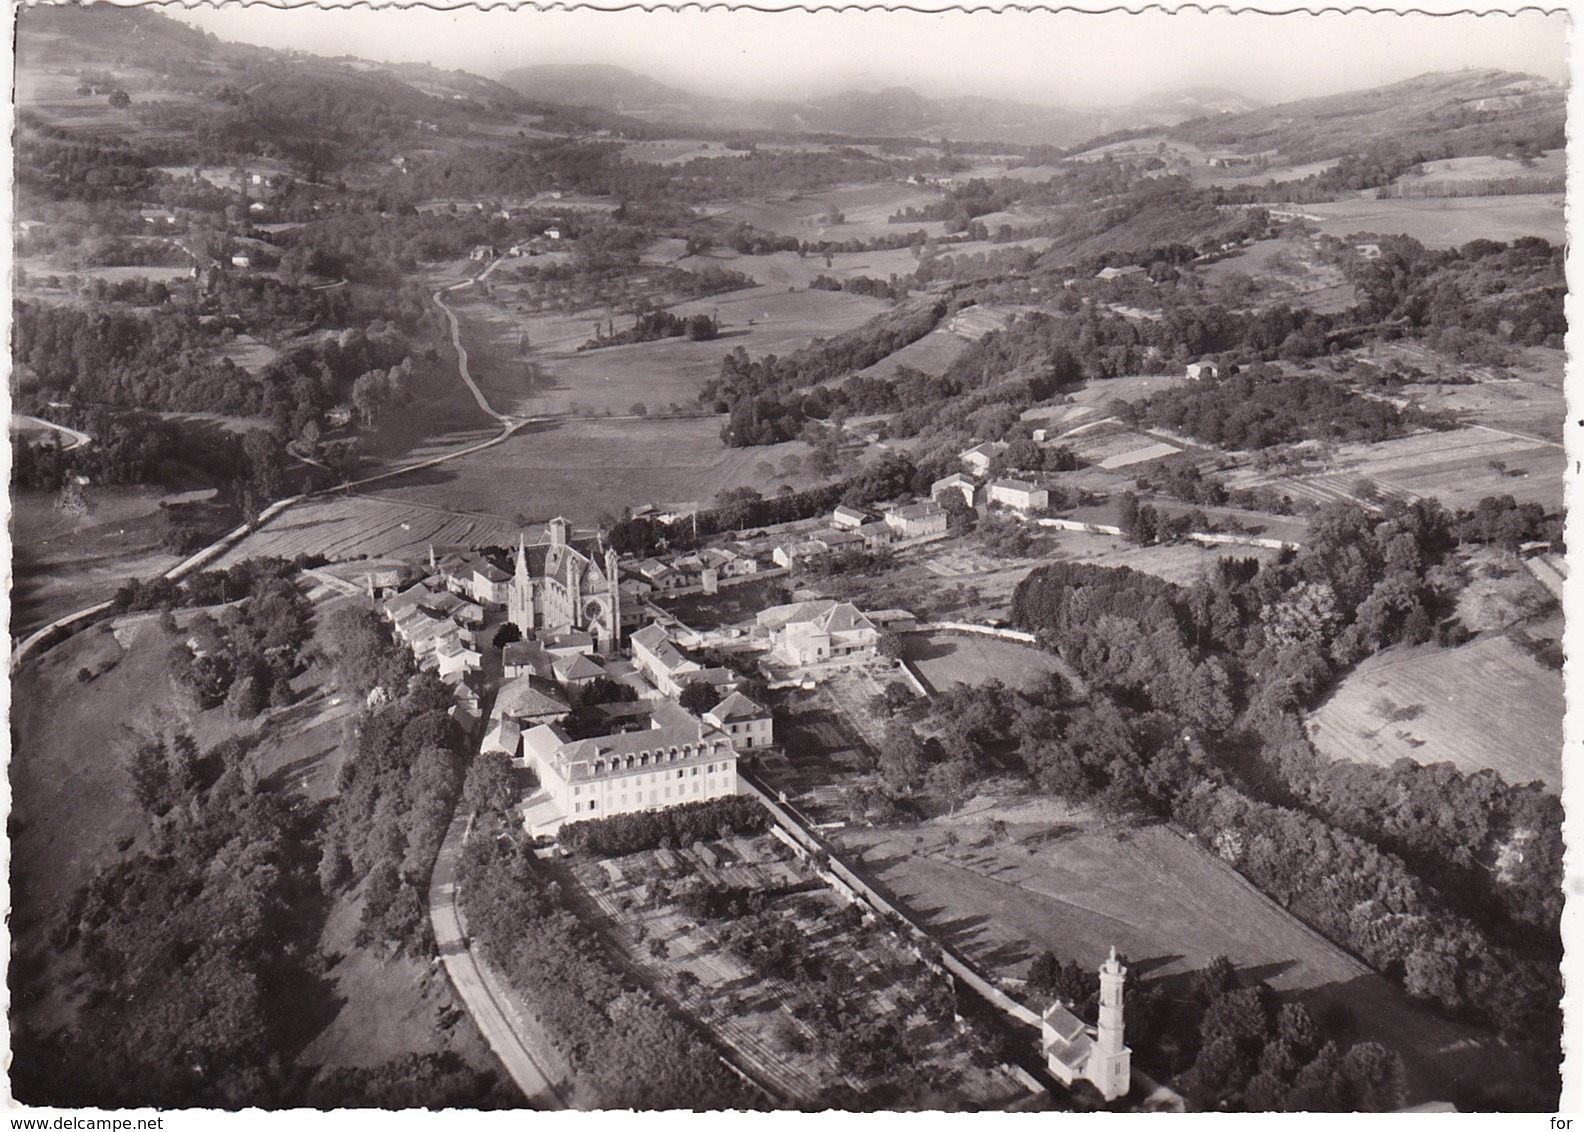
530, 700
749, 725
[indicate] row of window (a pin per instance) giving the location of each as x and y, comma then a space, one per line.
638, 797
682, 772
627, 762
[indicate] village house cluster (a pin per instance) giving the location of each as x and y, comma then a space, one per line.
589, 676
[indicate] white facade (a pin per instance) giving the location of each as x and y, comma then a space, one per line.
678, 759
1020, 494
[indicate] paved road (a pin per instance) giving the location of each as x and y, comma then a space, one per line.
71, 437
520, 1049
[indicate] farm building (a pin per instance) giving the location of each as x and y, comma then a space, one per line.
876, 535
1126, 272
1198, 371
839, 540
979, 458
848, 518
1019, 494
676, 759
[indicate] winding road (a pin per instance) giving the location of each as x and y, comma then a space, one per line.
510, 426
523, 1048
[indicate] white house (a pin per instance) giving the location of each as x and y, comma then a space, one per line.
661, 662
979, 458
920, 520
848, 518
818, 632
958, 484
748, 724
1019, 494
491, 586
789, 554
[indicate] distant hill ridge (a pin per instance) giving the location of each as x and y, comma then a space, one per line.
896, 111
1454, 113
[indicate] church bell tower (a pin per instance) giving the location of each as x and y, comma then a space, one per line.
1111, 1062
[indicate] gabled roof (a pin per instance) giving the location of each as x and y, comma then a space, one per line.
736, 706
578, 667
1015, 485
956, 479
529, 696
990, 449
850, 512
526, 654
491, 572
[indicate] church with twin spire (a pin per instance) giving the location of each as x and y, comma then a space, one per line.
566, 582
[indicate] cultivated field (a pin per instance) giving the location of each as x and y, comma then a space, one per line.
372, 526
944, 659
1077, 886
1486, 704
638, 896
1553, 164
866, 208
761, 320
1446, 223
1287, 267
1459, 468
1182, 563
588, 468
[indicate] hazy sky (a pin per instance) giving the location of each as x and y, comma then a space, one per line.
1061, 57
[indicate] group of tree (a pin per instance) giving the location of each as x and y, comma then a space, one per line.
681, 825
248, 655
766, 397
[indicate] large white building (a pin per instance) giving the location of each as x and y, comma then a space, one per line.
677, 759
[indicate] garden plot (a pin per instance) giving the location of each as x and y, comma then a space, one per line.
1483, 705
764, 965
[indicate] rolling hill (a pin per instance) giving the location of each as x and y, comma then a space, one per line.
1444, 114
891, 112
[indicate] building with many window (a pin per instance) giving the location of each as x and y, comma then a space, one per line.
676, 759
